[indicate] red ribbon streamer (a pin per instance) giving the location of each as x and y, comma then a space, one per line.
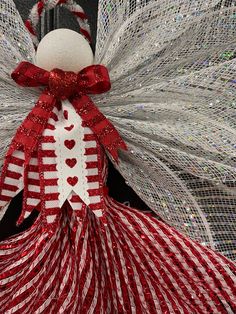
61, 85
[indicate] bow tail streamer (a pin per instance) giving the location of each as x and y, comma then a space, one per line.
30, 131
106, 133
21, 159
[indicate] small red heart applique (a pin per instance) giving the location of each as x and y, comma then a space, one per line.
50, 126
69, 143
72, 180
69, 128
65, 113
71, 162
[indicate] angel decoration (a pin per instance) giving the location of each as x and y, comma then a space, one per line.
158, 99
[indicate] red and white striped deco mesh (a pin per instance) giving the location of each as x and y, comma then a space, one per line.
45, 5
134, 264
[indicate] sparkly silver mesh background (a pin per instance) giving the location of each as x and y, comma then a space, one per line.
173, 99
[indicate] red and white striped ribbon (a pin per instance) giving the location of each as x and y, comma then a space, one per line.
46, 5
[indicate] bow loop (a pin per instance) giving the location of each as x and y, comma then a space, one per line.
94, 79
29, 75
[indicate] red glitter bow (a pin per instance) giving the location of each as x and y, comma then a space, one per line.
61, 85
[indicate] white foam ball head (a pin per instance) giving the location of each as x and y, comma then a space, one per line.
64, 49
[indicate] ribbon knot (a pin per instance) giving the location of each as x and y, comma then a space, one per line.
62, 85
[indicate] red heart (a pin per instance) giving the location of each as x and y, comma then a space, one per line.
72, 181
71, 162
65, 113
69, 128
69, 143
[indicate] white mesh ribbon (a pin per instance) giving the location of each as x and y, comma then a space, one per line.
15, 46
173, 99
172, 66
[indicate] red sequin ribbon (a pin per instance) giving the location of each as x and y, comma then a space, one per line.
61, 85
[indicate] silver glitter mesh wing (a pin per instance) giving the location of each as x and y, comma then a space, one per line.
15, 46
173, 99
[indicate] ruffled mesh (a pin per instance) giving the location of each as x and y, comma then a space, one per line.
15, 46
172, 65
